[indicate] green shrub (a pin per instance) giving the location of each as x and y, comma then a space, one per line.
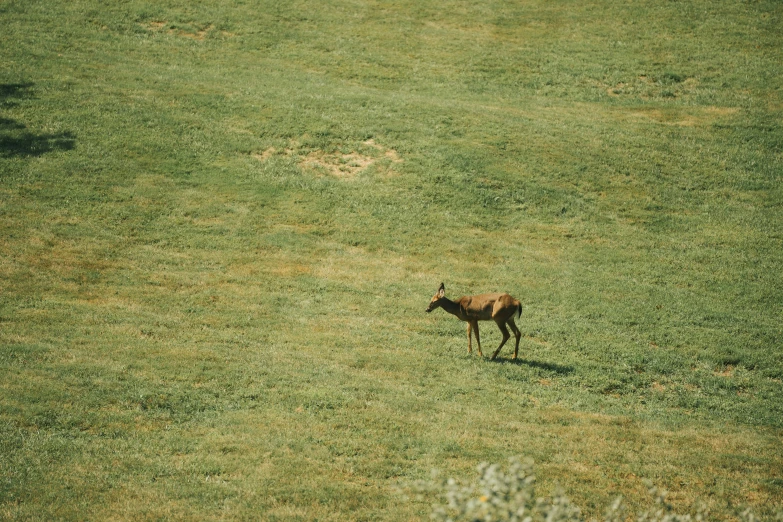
509, 495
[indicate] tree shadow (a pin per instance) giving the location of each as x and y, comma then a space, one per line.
16, 140
7, 124
26, 143
10, 92
550, 367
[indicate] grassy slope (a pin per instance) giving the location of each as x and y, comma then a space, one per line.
198, 321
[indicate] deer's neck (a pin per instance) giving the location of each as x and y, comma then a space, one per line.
452, 307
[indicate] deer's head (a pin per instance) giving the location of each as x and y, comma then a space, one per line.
437, 298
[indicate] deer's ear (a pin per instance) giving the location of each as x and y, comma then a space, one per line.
441, 290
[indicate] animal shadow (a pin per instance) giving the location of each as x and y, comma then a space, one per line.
550, 367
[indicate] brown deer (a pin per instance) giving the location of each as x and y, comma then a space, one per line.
484, 307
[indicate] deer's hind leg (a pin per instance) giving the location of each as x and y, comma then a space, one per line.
502, 325
517, 334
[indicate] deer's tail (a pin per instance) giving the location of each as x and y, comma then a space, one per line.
519, 309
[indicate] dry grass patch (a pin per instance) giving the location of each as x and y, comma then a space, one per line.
714, 462
289, 270
694, 117
390, 154
728, 371
268, 153
198, 35
184, 32
345, 265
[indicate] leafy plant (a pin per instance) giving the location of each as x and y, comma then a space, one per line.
509, 495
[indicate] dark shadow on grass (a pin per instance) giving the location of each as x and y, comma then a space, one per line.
7, 124
16, 140
9, 92
550, 367
26, 143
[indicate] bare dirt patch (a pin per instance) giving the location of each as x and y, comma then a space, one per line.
340, 164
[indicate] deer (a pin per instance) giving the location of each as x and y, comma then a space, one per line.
500, 308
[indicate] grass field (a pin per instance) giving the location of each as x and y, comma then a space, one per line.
221, 222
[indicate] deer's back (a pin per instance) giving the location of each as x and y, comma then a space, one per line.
481, 307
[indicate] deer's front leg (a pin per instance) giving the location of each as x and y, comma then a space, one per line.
470, 347
478, 340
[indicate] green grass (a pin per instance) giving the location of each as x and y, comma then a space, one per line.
220, 225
